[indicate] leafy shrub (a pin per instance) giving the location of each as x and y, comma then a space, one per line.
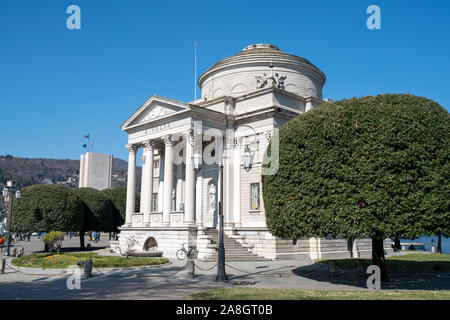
53, 239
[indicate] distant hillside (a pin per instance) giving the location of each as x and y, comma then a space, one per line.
30, 171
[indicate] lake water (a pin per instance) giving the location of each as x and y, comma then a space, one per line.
445, 245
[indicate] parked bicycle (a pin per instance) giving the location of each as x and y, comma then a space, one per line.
183, 252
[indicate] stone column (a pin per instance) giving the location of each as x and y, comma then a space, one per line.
228, 176
237, 182
149, 154
143, 185
168, 179
131, 184
189, 190
161, 181
199, 200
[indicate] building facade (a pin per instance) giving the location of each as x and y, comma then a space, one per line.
245, 98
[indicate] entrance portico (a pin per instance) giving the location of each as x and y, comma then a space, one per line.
163, 146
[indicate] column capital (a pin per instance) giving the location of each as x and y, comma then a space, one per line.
237, 142
149, 145
132, 148
269, 134
189, 136
167, 139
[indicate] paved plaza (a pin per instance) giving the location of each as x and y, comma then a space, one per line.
170, 281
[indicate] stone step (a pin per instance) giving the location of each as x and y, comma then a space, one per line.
227, 258
234, 251
230, 249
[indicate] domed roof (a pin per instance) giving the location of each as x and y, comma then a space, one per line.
257, 53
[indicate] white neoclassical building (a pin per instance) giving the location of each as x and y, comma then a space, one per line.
244, 99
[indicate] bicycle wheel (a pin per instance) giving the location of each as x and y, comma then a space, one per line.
181, 254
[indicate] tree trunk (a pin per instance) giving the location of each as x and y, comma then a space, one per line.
439, 249
378, 257
82, 240
397, 244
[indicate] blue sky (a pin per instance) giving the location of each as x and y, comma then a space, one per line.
57, 84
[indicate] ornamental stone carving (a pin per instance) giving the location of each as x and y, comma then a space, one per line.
156, 112
274, 81
238, 142
269, 134
189, 136
132, 148
212, 197
167, 140
149, 145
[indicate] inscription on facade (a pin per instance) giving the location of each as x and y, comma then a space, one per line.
158, 128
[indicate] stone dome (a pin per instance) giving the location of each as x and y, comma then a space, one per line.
238, 75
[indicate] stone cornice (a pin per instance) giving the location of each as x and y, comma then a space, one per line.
280, 58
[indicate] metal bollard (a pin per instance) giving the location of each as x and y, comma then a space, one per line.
88, 268
190, 267
332, 267
2, 265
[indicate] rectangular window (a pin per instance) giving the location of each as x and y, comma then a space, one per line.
155, 202
254, 196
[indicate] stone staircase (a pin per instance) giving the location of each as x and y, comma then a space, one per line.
234, 251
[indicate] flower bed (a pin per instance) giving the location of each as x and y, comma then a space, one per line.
63, 261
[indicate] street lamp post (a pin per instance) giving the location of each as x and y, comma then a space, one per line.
221, 275
8, 191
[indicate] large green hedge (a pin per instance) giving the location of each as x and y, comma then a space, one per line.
370, 167
118, 195
99, 210
43, 208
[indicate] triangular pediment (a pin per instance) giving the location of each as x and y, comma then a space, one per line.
155, 108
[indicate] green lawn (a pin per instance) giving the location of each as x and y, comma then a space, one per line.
296, 294
65, 260
407, 262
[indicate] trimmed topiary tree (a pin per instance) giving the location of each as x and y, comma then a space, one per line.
369, 167
99, 212
43, 208
118, 195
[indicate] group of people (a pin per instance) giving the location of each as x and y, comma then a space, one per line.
26, 236
22, 236
94, 236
